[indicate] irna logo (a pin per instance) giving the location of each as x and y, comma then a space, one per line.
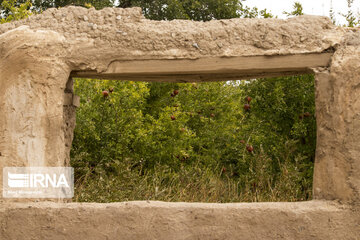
36, 180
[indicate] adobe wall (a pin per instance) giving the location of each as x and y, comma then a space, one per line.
161, 220
39, 55
337, 160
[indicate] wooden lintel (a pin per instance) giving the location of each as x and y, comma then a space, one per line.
210, 68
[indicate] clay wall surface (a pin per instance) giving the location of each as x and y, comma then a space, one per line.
39, 57
160, 220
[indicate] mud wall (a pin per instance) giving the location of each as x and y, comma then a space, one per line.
39, 55
159, 220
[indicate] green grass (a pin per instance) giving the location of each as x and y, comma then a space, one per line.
193, 183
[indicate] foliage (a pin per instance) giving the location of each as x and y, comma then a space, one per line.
351, 19
200, 10
41, 5
14, 11
332, 12
298, 10
127, 147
